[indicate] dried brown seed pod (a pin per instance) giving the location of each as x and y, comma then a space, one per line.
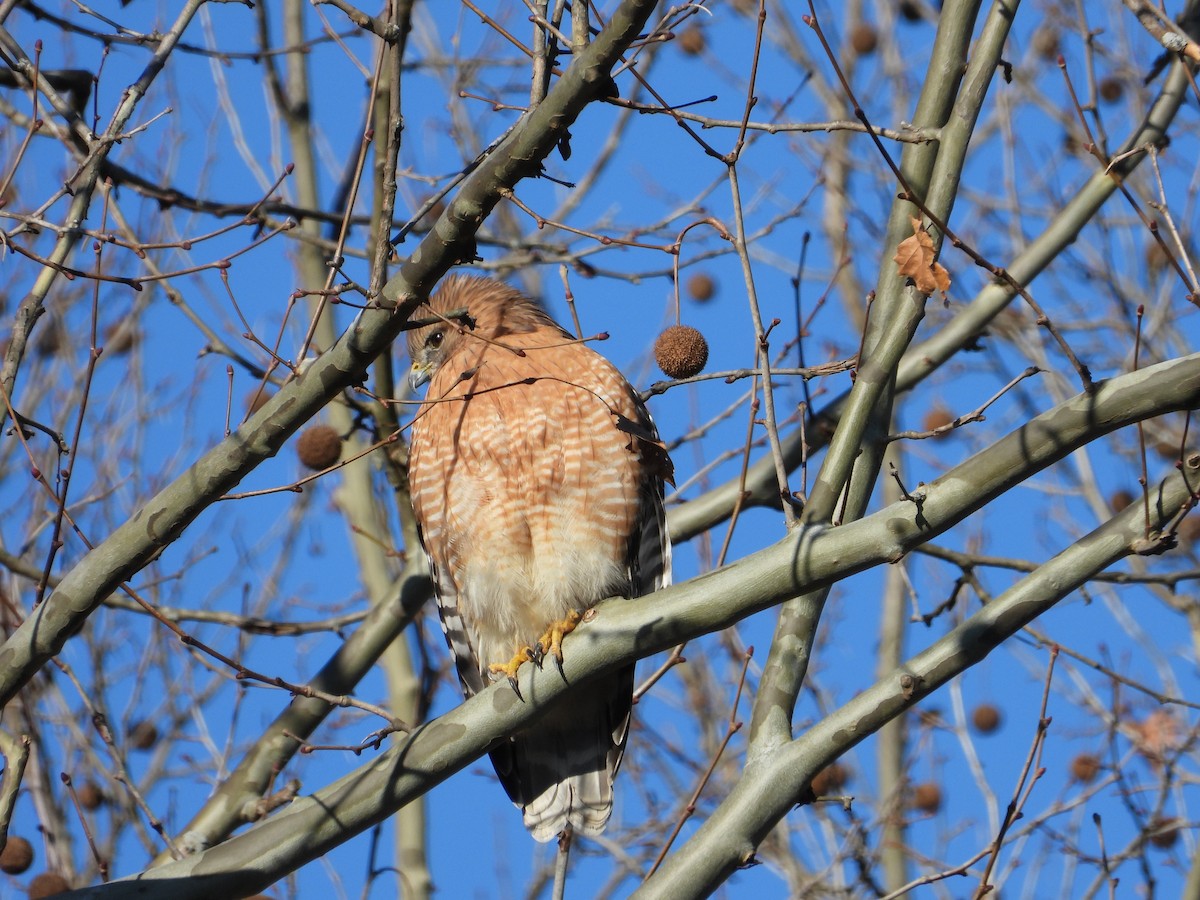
701, 287
90, 796
48, 884
1119, 500
681, 351
120, 337
1111, 89
830, 780
143, 735
985, 718
17, 856
256, 399
864, 38
1085, 767
926, 797
691, 41
1164, 832
938, 417
319, 447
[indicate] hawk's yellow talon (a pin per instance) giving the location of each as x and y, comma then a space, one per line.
509, 669
551, 641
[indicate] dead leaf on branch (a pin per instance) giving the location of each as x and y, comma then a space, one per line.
914, 259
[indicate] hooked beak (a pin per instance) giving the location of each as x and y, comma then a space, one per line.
419, 374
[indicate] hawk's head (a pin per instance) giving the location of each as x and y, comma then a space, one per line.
493, 308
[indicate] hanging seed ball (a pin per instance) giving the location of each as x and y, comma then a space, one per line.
256, 399
90, 796
49, 339
938, 417
1156, 257
701, 287
927, 797
1164, 832
691, 41
319, 447
1189, 529
48, 884
681, 351
17, 856
1111, 89
1085, 767
830, 780
1046, 44
120, 337
143, 735
985, 718
1119, 500
1167, 446
864, 39
911, 11
435, 211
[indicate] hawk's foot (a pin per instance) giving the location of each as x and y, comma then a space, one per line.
509, 669
551, 641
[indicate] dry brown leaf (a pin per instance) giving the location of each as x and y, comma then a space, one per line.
914, 259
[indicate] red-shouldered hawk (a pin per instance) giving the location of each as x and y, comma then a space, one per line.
537, 480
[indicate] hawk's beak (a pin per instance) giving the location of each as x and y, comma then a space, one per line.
419, 374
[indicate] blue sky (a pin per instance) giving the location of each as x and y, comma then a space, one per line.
153, 412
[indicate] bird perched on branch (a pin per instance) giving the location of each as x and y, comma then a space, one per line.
537, 480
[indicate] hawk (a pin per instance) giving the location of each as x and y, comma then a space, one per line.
537, 481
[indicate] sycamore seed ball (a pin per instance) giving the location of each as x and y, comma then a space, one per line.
1189, 529
830, 780
927, 797
938, 417
681, 351
701, 287
1046, 44
257, 398
985, 718
1111, 89
691, 41
864, 38
48, 884
17, 856
1085, 767
1164, 832
1120, 499
319, 447
90, 796
143, 735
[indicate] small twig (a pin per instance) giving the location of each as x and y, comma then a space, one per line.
1018, 800
975, 415
732, 728
101, 862
918, 498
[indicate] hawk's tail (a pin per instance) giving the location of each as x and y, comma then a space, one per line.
560, 770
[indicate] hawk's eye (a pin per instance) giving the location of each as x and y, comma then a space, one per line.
434, 340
